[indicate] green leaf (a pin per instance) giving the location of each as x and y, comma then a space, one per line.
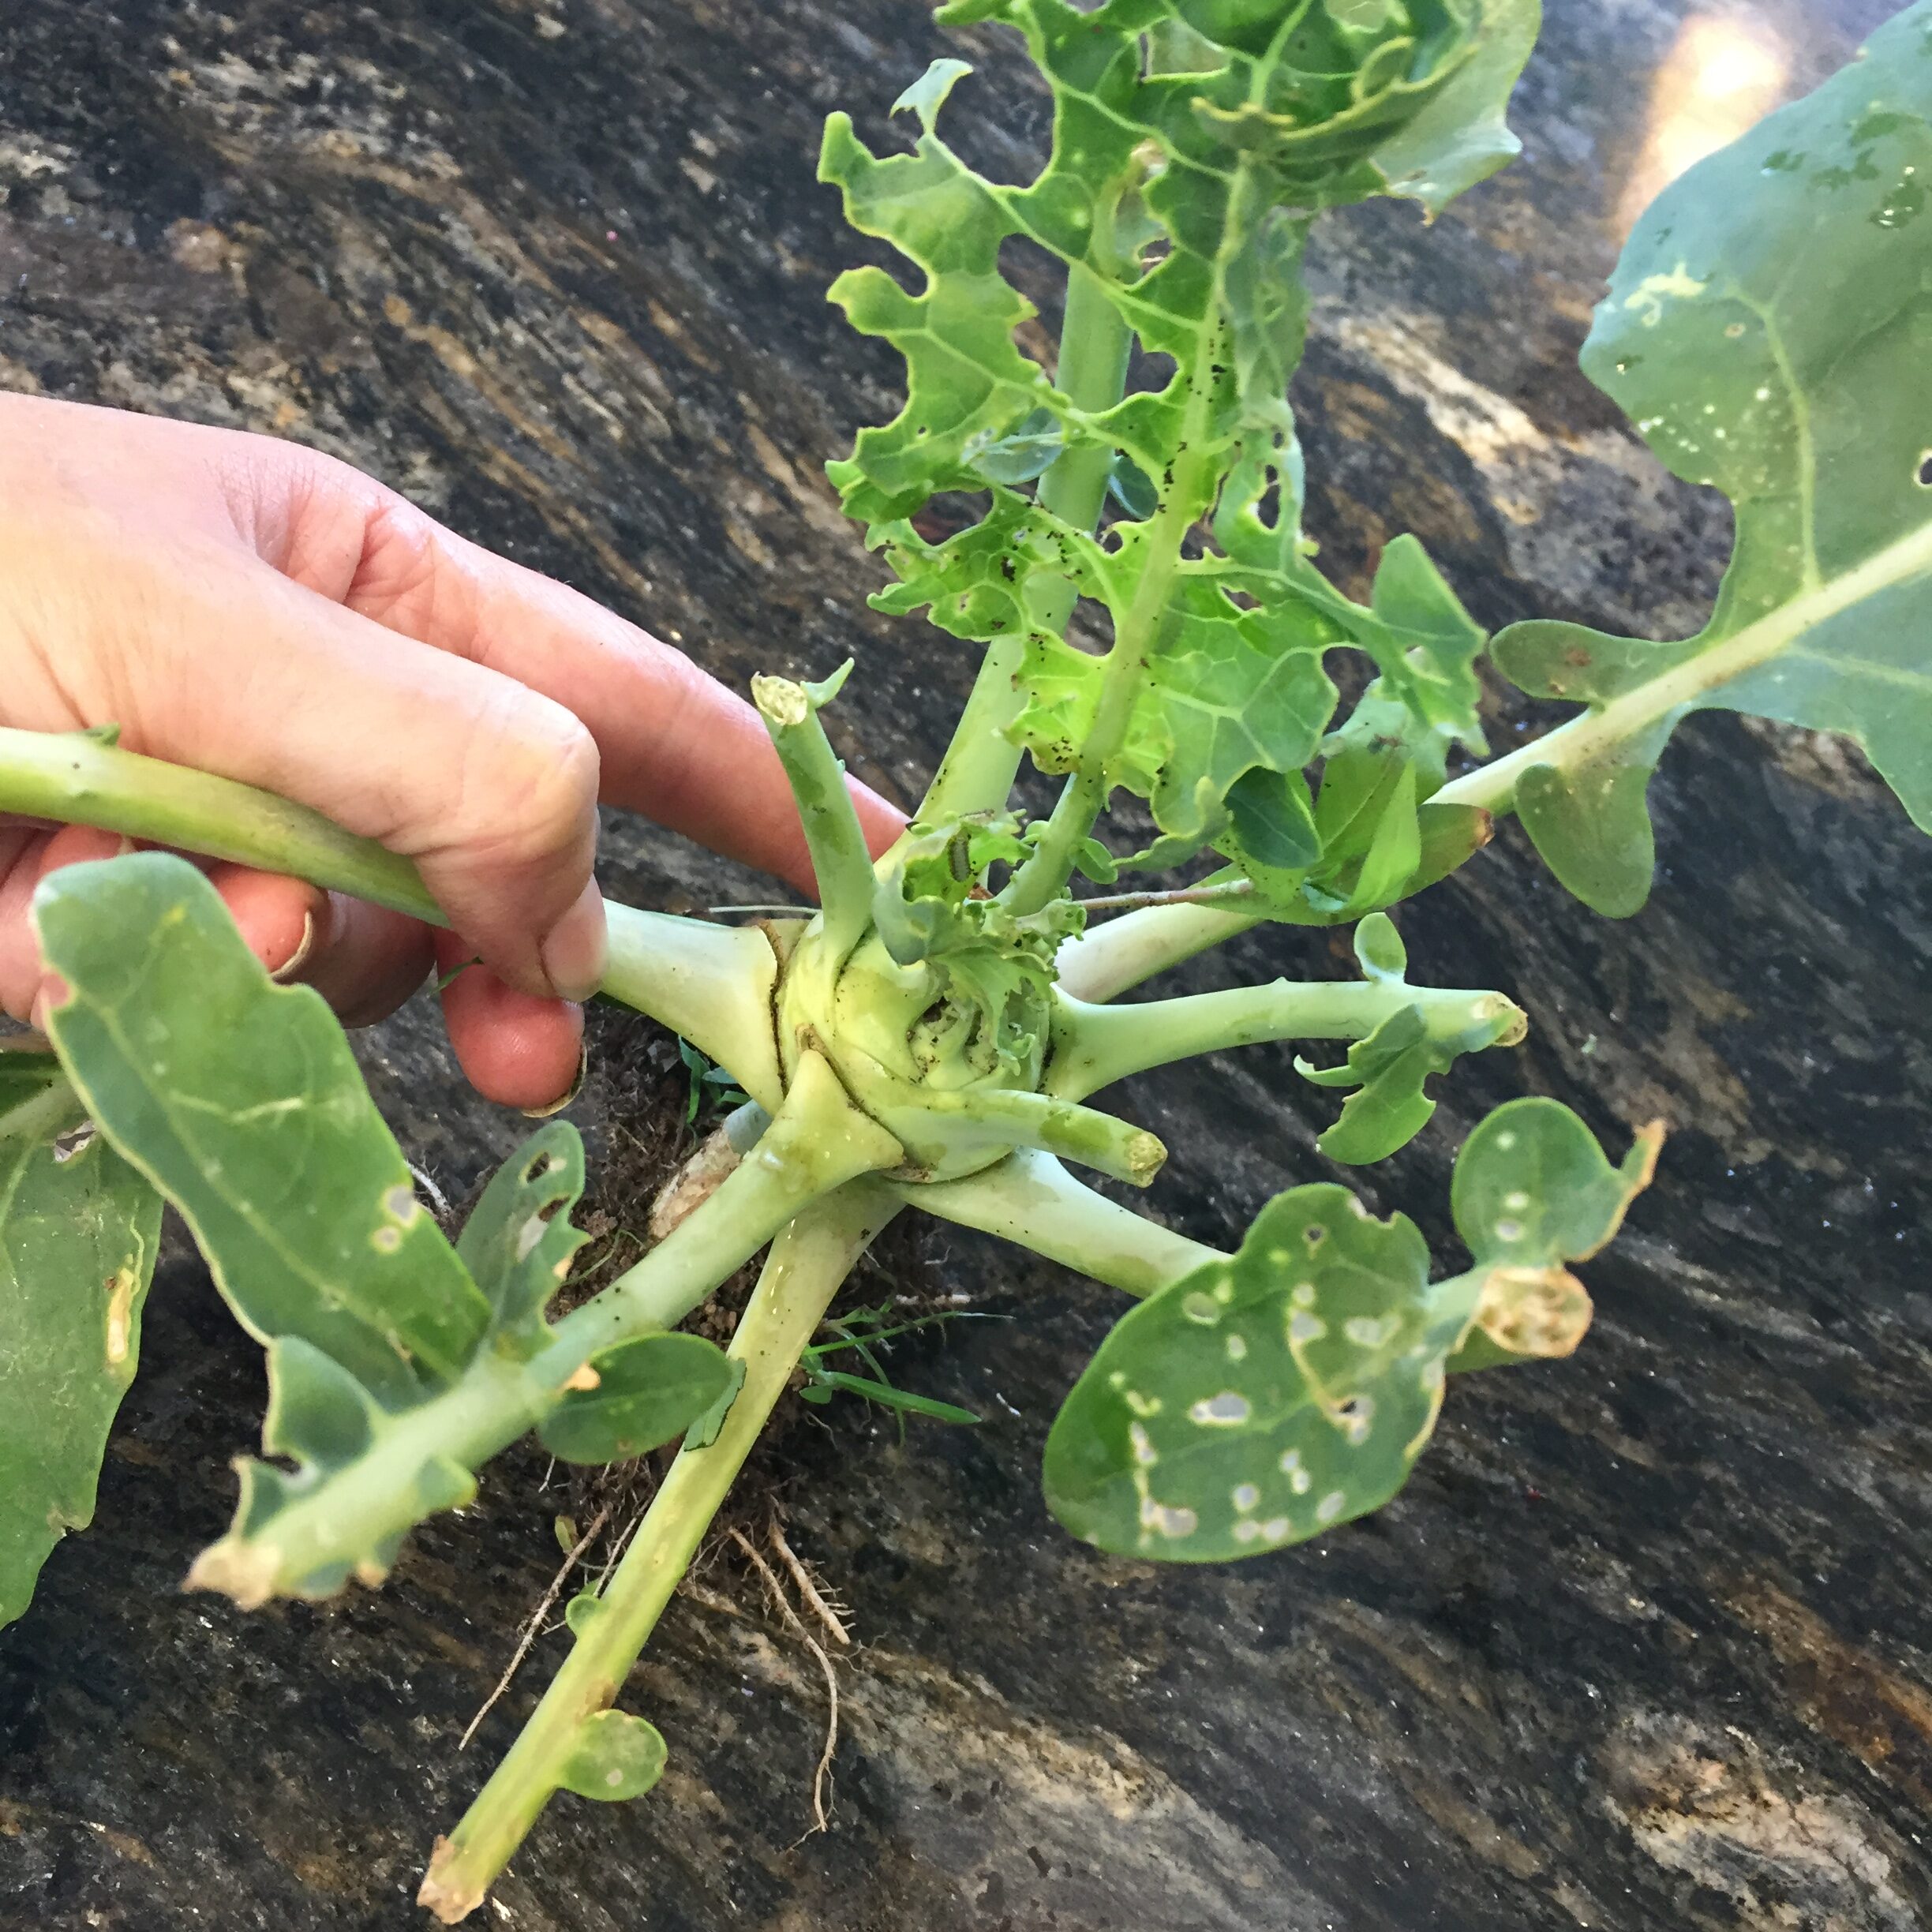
888, 1396
648, 1391
78, 1236
1532, 1191
1192, 144
704, 1432
518, 1242
1389, 1069
36, 1102
1768, 314
1260, 1402
1265, 1398
240, 1101
613, 1755
1460, 137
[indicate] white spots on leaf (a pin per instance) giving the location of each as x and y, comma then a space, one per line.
1276, 1529
386, 1239
1303, 1326
1146, 1406
1237, 1348
1302, 1294
1357, 1416
1508, 1230
1432, 1377
1369, 1331
613, 1777
1505, 1141
1144, 1452
1279, 1257
1117, 1379
1650, 295
1229, 1409
1735, 331
1168, 1523
1199, 1308
1224, 1291
401, 1205
1516, 1201
1247, 1530
1299, 1479
1331, 1507
528, 1235
1245, 1496
1763, 394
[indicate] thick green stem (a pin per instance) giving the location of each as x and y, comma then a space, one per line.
1599, 732
75, 779
817, 1142
807, 1264
1104, 963
977, 773
1094, 1046
711, 983
1029, 1199
840, 859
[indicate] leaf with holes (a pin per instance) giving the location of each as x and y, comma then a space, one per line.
1264, 1399
1532, 1191
1261, 1401
1768, 329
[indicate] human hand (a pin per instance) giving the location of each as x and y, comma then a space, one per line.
254, 609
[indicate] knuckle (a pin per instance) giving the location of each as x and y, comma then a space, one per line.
531, 779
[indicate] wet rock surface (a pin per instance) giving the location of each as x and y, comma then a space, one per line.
1648, 1640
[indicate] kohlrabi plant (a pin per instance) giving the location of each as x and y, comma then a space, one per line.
934, 1037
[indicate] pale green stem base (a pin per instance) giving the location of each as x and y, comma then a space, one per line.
808, 1262
1105, 963
1094, 1046
1029, 1199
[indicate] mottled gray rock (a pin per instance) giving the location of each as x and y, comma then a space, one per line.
1645, 1643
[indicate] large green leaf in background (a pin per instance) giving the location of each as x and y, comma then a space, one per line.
1264, 1399
78, 1232
1769, 329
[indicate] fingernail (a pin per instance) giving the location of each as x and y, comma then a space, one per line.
299, 958
569, 1094
573, 952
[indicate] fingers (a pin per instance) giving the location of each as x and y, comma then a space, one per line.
209, 660
516, 1051
675, 744
364, 961
26, 858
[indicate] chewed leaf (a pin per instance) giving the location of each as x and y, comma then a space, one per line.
1193, 146
1767, 319
1262, 1399
614, 1755
78, 1235
1261, 1402
517, 1242
647, 1391
1532, 1190
242, 1101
